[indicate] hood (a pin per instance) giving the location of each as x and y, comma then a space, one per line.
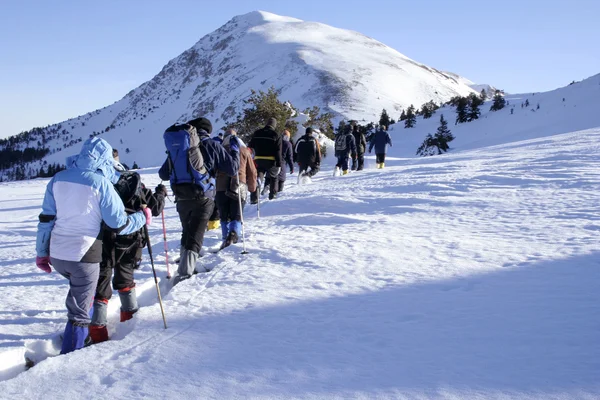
96, 156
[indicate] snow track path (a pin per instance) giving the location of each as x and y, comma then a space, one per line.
471, 275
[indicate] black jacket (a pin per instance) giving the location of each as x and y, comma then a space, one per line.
360, 140
266, 143
307, 151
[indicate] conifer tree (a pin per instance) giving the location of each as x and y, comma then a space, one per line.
473, 112
443, 135
411, 118
483, 95
384, 120
500, 102
461, 110
428, 109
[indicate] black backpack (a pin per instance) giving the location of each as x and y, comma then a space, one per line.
114, 247
129, 188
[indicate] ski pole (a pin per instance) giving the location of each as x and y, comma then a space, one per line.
241, 215
166, 245
258, 197
162, 310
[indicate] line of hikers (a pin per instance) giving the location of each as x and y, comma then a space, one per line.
353, 143
91, 227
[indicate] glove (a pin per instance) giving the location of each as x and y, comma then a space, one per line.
43, 263
234, 146
148, 215
161, 189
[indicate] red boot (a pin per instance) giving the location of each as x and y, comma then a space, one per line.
98, 333
127, 315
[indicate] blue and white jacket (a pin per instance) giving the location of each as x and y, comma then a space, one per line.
76, 202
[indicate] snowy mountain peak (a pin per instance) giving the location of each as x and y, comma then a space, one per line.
311, 64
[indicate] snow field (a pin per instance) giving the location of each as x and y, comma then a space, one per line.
470, 275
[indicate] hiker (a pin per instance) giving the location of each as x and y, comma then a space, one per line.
308, 154
345, 147
287, 157
77, 201
266, 143
123, 254
361, 147
191, 166
380, 141
228, 191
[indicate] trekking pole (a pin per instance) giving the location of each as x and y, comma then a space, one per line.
166, 244
241, 215
162, 310
258, 197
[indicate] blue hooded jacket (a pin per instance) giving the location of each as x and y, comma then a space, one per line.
77, 201
380, 141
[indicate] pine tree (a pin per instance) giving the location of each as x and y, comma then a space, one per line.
483, 95
384, 120
259, 107
443, 135
500, 102
461, 110
473, 111
403, 116
428, 109
411, 118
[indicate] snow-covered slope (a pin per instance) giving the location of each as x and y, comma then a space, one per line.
472, 275
567, 109
312, 64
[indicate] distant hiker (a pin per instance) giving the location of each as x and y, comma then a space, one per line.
380, 141
228, 191
192, 163
287, 157
308, 154
361, 147
266, 143
123, 254
135, 166
345, 146
77, 202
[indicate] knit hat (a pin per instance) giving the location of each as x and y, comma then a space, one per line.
272, 122
201, 123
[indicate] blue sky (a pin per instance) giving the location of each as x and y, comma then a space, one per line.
62, 59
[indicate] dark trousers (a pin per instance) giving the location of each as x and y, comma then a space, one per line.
314, 169
343, 162
358, 164
267, 167
123, 274
229, 208
121, 255
215, 214
194, 216
380, 158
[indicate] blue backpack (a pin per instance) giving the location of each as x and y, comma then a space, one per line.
185, 157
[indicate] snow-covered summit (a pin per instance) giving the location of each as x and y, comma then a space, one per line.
312, 64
